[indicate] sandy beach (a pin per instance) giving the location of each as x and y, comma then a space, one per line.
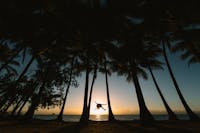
38, 126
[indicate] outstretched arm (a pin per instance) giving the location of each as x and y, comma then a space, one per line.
103, 108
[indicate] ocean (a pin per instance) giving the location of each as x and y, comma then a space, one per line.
76, 118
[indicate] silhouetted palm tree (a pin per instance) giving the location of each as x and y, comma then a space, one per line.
171, 114
110, 113
106, 68
190, 113
169, 26
84, 117
86, 50
91, 89
70, 76
24, 94
30, 88
154, 51
130, 59
48, 76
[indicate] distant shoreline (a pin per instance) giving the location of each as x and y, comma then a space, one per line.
76, 118
178, 113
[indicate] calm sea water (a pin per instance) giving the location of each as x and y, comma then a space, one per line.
76, 118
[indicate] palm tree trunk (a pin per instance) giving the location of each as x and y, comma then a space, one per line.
171, 114
35, 102
60, 116
6, 107
22, 106
26, 98
8, 104
16, 107
190, 113
91, 90
110, 113
2, 103
85, 109
145, 114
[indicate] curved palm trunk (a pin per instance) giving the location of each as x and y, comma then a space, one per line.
23, 100
145, 114
190, 113
8, 104
26, 99
85, 109
171, 114
60, 116
35, 102
110, 113
16, 107
22, 106
91, 90
2, 103
6, 107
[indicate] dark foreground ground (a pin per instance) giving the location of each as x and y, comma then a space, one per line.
38, 126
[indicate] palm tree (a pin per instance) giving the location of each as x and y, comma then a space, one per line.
86, 65
35, 102
29, 91
97, 57
154, 51
28, 96
25, 93
60, 116
36, 52
190, 113
169, 24
105, 50
171, 114
84, 117
91, 90
110, 113
130, 63
88, 59
17, 82
48, 76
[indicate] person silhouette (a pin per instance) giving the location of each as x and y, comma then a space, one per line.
100, 106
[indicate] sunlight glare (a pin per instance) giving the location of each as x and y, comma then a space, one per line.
100, 111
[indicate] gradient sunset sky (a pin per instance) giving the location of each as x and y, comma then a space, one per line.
123, 96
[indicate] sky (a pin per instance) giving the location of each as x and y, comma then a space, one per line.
123, 96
